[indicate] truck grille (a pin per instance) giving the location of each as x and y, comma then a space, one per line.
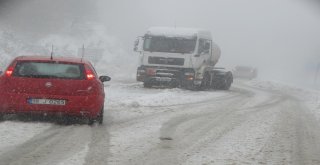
166, 61
168, 73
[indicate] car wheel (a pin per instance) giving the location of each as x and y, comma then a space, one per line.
91, 121
100, 117
1, 117
205, 84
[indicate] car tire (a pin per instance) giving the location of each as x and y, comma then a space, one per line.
1, 117
99, 118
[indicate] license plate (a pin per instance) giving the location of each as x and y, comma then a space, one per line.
163, 79
47, 101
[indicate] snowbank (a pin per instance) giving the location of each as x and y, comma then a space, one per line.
310, 97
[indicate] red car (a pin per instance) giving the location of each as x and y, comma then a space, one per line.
58, 86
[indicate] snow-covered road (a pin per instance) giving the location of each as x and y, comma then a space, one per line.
253, 123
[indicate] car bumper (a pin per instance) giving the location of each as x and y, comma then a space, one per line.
78, 106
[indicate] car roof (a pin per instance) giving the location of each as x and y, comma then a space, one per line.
55, 59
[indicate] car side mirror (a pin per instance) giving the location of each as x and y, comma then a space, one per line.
1, 72
104, 78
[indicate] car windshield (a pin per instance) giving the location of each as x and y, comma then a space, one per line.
48, 70
169, 44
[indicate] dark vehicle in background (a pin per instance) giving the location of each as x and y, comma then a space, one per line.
52, 86
245, 72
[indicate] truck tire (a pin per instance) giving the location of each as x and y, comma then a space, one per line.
223, 82
205, 84
227, 81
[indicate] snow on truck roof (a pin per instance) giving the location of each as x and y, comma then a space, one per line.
178, 32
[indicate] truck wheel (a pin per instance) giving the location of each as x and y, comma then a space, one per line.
205, 84
227, 82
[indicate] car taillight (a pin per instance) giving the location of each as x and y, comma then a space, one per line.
9, 71
89, 74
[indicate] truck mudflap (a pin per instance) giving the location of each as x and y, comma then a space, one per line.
163, 76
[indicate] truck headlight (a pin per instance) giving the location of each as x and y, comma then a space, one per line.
189, 74
140, 72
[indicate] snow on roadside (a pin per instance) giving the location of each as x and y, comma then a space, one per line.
134, 96
310, 97
132, 100
16, 133
126, 103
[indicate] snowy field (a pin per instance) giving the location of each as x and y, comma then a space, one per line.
256, 122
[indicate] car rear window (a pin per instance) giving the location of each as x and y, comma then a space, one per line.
49, 70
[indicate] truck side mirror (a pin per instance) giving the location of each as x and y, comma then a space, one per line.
207, 48
138, 44
204, 48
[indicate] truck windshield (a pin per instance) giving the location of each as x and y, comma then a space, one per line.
169, 44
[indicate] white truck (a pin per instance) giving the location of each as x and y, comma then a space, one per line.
180, 57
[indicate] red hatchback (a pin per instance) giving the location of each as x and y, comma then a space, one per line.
58, 86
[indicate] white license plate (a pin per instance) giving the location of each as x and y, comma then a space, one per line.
47, 101
163, 79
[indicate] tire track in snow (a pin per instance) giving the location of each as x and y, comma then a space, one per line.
197, 126
295, 138
99, 146
178, 110
50, 147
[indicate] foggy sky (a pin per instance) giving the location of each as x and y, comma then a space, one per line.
279, 37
